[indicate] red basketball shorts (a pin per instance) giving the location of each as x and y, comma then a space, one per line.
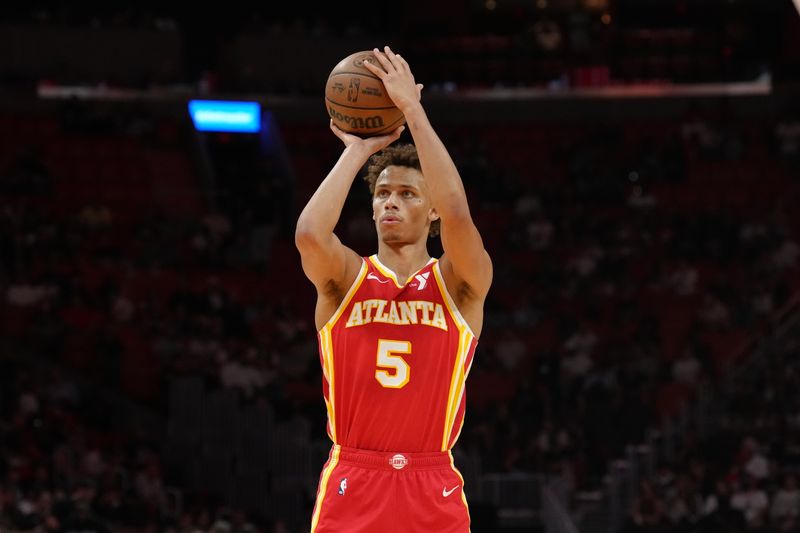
364, 491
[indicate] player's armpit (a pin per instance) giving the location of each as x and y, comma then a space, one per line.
326, 261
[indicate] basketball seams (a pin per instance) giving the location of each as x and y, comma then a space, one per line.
348, 73
358, 107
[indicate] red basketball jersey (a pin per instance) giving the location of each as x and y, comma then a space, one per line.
395, 359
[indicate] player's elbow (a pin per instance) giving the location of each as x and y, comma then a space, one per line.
309, 235
305, 235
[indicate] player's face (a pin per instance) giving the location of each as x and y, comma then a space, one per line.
401, 205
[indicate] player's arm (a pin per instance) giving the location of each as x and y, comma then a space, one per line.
329, 265
461, 241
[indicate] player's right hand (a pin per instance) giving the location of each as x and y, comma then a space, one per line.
372, 144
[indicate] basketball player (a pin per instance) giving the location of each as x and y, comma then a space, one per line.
397, 330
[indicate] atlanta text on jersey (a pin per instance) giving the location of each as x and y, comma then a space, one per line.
401, 313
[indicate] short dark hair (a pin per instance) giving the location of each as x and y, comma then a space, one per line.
402, 155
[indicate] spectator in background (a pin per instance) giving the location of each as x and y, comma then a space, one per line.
241, 372
548, 35
785, 257
684, 508
697, 132
718, 514
714, 313
26, 292
539, 232
510, 351
753, 460
682, 280
785, 508
787, 137
649, 511
687, 369
578, 347
752, 502
96, 215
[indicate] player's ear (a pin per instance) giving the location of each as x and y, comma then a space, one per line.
433, 215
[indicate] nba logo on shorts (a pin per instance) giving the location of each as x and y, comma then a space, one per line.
398, 461
342, 486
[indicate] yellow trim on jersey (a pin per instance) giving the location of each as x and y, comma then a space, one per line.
332, 387
469, 367
450, 304
459, 376
329, 409
386, 271
466, 374
326, 474
324, 359
326, 347
463, 495
457, 385
330, 404
325, 374
328, 372
347, 297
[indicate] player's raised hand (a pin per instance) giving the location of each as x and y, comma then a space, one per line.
373, 144
397, 77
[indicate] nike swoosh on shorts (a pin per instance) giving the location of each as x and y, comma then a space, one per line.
447, 493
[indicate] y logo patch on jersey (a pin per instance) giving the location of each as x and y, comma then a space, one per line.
423, 280
342, 486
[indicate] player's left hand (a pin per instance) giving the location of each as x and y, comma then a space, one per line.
397, 77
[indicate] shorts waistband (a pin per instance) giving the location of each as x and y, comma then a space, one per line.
393, 460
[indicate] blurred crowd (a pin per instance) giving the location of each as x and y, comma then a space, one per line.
553, 45
744, 476
67, 466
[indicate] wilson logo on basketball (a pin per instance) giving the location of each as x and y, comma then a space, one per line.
372, 123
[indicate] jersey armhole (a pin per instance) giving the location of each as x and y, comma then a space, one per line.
448, 300
348, 296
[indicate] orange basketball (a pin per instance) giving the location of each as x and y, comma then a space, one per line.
356, 99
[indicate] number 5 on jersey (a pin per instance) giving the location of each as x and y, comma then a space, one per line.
401, 372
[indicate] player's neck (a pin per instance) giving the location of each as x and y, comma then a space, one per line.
403, 260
